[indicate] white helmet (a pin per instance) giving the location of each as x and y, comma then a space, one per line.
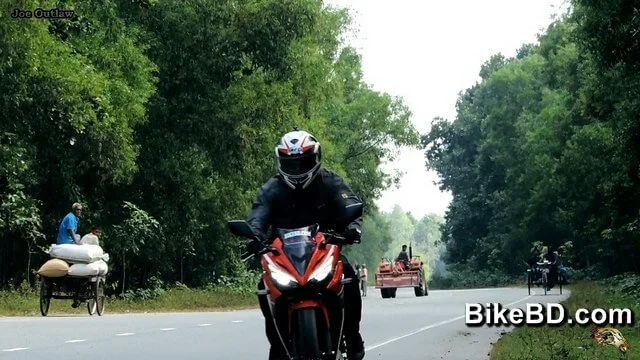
299, 158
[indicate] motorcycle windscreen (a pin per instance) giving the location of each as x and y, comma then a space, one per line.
298, 245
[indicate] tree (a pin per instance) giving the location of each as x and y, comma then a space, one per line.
545, 149
176, 108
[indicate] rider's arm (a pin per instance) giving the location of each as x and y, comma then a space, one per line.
73, 236
70, 223
260, 214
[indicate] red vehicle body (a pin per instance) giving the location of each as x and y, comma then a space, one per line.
304, 285
389, 277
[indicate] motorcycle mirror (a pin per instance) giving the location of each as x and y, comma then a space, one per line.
353, 211
241, 228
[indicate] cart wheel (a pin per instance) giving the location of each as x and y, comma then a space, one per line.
560, 280
92, 307
544, 282
393, 292
529, 281
99, 296
45, 296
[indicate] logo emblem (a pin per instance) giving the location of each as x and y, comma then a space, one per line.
289, 235
609, 336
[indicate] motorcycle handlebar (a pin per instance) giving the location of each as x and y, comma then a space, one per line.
248, 255
330, 238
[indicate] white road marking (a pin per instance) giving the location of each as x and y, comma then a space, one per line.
75, 341
389, 341
167, 329
454, 291
125, 334
201, 325
15, 349
237, 321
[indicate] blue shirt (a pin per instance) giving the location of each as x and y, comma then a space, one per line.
69, 222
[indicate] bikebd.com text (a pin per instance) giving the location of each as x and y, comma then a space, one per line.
494, 314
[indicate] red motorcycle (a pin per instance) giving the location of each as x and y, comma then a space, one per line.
304, 285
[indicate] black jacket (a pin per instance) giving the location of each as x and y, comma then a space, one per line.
403, 256
323, 202
552, 258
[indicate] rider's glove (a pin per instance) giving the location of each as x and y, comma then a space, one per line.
352, 234
254, 246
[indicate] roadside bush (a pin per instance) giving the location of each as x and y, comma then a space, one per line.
154, 290
627, 284
244, 282
460, 277
595, 272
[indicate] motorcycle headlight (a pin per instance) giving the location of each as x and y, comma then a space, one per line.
281, 277
323, 270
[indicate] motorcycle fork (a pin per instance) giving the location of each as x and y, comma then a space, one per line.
334, 330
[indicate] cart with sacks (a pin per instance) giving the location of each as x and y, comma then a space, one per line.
74, 272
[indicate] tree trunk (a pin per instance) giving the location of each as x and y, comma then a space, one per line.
29, 264
3, 262
124, 273
182, 266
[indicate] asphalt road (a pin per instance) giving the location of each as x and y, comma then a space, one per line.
407, 327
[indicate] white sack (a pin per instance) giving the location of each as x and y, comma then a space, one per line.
95, 268
77, 253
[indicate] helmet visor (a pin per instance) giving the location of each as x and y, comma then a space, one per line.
298, 165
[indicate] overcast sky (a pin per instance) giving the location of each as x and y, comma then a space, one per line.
429, 51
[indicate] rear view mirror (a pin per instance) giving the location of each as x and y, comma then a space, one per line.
353, 212
241, 228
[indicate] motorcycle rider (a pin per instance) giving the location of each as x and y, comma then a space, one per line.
552, 257
303, 193
404, 257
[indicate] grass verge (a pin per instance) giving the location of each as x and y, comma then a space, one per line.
26, 303
574, 341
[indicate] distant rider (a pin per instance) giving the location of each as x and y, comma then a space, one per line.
561, 269
67, 232
404, 257
363, 279
91, 238
552, 258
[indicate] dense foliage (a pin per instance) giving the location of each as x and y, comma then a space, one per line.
546, 148
161, 118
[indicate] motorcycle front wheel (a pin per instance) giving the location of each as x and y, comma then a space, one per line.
307, 344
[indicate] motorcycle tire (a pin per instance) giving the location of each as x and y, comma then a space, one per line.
306, 337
